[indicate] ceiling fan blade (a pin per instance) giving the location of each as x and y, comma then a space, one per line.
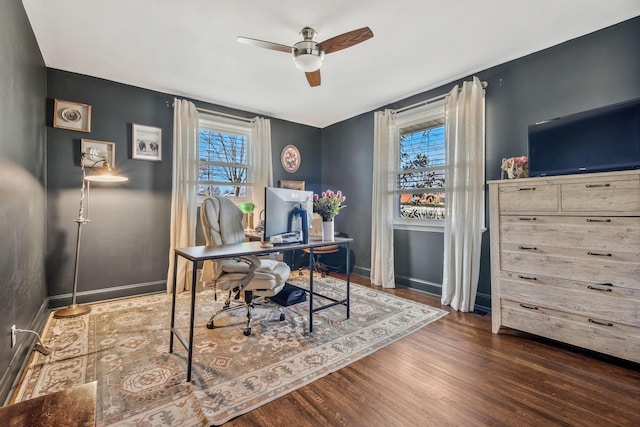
264, 44
313, 78
346, 40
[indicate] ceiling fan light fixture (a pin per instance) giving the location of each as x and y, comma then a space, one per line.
307, 56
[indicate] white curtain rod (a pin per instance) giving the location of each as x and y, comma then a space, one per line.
435, 98
219, 113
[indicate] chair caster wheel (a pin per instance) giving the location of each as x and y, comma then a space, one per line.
210, 325
247, 332
281, 317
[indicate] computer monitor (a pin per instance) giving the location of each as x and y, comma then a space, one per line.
279, 205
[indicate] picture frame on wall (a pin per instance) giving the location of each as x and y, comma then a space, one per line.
71, 115
96, 152
292, 185
146, 142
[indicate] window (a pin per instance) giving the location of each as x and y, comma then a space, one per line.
420, 167
223, 153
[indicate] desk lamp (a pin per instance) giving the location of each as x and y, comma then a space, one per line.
104, 174
247, 210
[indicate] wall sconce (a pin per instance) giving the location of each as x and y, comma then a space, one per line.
104, 174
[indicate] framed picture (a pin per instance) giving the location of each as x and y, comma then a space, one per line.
71, 115
96, 152
292, 185
146, 142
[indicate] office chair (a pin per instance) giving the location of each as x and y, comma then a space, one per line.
248, 277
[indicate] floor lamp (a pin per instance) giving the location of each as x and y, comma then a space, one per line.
105, 174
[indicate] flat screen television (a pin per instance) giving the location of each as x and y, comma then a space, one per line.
603, 139
279, 205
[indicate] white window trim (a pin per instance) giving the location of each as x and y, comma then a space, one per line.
405, 119
228, 125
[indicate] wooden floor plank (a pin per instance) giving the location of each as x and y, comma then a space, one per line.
455, 372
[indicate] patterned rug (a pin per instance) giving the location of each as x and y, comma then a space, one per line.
123, 345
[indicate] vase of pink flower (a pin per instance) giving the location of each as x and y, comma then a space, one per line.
515, 167
328, 205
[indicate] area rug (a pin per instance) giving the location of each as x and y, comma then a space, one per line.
123, 345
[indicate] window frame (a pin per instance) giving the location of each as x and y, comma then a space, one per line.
422, 115
231, 126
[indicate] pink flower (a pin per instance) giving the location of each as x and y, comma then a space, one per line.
516, 167
329, 205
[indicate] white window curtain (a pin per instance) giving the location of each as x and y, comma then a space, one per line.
382, 270
184, 194
464, 205
261, 161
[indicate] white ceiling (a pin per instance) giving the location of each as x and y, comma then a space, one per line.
188, 47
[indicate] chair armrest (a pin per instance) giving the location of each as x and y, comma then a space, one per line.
252, 260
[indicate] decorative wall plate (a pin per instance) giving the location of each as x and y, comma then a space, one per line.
71, 114
290, 158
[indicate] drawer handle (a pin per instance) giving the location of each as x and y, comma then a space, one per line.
597, 254
598, 185
526, 219
528, 248
599, 289
526, 278
530, 307
598, 220
600, 323
527, 189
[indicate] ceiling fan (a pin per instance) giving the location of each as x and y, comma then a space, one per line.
308, 54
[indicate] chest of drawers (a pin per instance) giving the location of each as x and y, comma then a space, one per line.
565, 259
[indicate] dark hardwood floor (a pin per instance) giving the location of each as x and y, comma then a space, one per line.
455, 372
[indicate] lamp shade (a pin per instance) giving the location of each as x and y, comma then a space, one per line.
106, 174
246, 207
307, 56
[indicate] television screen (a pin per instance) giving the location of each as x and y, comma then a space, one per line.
279, 205
604, 139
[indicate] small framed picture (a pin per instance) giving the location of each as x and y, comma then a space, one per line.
71, 115
292, 185
146, 142
96, 152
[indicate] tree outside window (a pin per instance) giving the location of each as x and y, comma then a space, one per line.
421, 172
223, 153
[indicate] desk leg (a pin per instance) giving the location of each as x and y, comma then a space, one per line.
311, 290
194, 284
173, 301
348, 247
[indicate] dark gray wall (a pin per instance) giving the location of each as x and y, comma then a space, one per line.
595, 70
307, 140
22, 205
125, 247
347, 159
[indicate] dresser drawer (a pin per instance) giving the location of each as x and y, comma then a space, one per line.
590, 332
529, 197
610, 195
617, 268
603, 301
621, 234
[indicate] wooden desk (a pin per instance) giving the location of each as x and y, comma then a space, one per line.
197, 254
75, 406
